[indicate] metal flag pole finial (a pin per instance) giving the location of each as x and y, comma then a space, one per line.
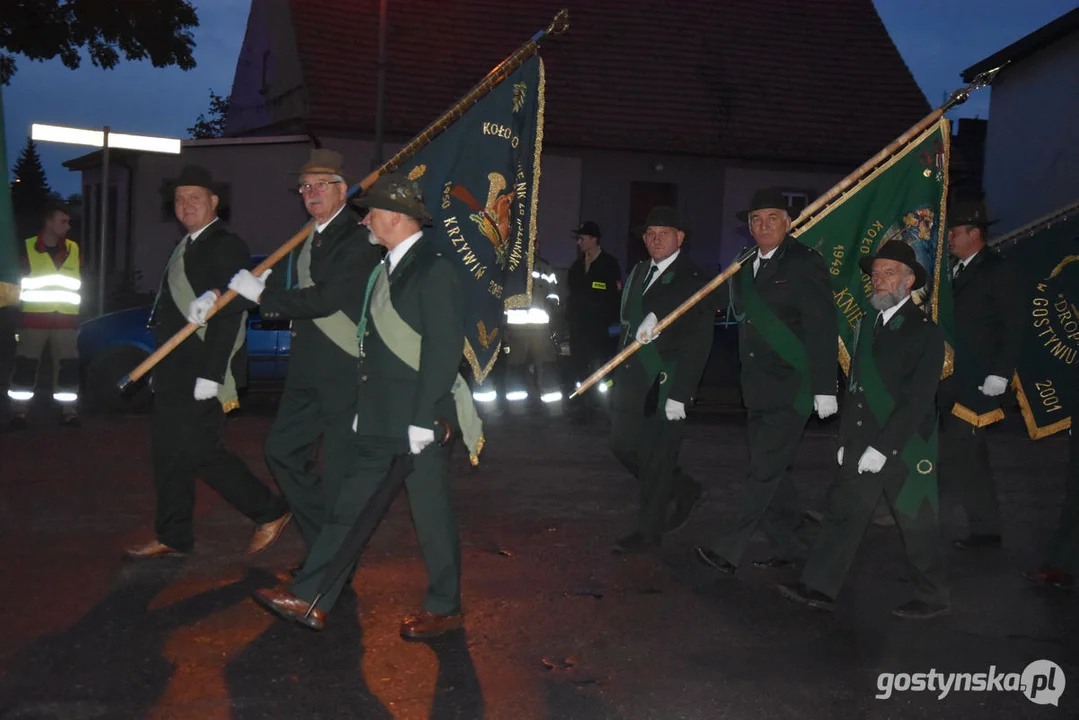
983, 79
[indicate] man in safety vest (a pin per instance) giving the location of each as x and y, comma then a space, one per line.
530, 340
50, 296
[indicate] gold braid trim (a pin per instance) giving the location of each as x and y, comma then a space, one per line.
969, 416
1035, 432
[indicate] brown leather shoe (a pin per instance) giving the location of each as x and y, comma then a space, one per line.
290, 607
267, 533
152, 549
1051, 576
428, 625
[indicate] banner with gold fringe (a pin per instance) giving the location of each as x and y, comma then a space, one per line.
480, 183
902, 200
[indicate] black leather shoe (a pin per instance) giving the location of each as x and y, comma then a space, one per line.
920, 610
978, 542
684, 507
798, 592
635, 544
773, 563
713, 560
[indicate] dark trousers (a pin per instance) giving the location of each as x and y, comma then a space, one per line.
1063, 550
849, 507
306, 413
770, 500
432, 515
966, 475
186, 437
648, 448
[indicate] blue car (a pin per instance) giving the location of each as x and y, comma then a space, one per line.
112, 345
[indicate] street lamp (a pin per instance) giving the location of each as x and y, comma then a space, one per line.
105, 139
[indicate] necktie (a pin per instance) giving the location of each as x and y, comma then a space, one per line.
878, 324
958, 271
761, 262
648, 278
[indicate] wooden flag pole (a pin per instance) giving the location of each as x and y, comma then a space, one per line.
837, 191
558, 25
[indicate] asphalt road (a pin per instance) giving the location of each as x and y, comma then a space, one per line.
557, 627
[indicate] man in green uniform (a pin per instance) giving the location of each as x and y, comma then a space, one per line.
196, 384
989, 327
320, 288
411, 344
653, 388
890, 425
787, 344
1062, 555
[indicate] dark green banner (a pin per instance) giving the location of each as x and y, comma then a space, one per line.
1045, 376
480, 181
902, 200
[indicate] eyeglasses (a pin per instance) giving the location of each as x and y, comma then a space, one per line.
319, 186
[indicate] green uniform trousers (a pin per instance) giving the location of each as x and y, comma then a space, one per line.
770, 501
966, 476
648, 448
849, 507
1063, 550
305, 413
432, 514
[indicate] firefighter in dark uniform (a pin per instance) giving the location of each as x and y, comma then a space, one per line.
887, 442
787, 345
196, 384
653, 389
988, 306
594, 291
412, 339
319, 287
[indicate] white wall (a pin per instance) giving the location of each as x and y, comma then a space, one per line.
1032, 145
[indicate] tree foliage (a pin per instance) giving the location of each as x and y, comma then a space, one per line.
158, 30
30, 189
211, 124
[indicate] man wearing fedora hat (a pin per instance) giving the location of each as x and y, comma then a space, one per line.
988, 307
655, 386
196, 384
594, 287
787, 345
412, 338
319, 288
887, 442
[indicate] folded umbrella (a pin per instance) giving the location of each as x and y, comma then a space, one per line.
369, 518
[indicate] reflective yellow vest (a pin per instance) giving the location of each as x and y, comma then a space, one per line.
49, 289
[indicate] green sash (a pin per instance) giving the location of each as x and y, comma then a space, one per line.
632, 315
404, 342
779, 336
183, 294
337, 327
919, 454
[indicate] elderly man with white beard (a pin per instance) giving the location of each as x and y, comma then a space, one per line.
887, 443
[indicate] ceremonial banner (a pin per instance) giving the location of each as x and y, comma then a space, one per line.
1045, 375
902, 200
480, 182
9, 258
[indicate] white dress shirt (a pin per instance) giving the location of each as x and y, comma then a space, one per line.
320, 227
394, 256
660, 267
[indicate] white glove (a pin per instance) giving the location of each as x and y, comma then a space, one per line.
825, 405
872, 461
993, 385
197, 309
675, 410
355, 422
645, 333
419, 438
248, 285
205, 389
839, 456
